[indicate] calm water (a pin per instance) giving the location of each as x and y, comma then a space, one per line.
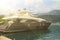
53, 33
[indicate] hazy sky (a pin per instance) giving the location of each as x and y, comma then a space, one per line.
7, 6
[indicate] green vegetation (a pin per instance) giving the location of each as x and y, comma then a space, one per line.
1, 21
1, 16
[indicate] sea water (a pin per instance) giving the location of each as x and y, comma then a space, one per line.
53, 33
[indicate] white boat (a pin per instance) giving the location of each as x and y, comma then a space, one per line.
24, 21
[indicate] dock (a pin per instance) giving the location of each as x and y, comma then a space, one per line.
4, 38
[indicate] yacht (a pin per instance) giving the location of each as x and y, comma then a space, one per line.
23, 21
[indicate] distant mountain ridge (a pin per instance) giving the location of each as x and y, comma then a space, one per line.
53, 12
53, 18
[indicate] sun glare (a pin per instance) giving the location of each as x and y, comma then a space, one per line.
7, 6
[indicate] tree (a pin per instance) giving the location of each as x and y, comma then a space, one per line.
1, 16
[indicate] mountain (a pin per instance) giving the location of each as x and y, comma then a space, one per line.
53, 18
54, 12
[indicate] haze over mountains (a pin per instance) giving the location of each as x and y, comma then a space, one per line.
53, 12
53, 16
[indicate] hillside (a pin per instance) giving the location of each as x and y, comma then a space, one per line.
53, 18
54, 12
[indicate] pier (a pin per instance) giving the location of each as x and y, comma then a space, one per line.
4, 38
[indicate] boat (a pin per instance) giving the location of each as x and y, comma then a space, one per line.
24, 21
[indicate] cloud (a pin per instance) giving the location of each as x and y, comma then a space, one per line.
47, 6
29, 2
7, 6
56, 5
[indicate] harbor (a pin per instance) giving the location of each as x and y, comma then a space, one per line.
29, 19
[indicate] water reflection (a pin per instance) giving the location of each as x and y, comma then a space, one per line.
29, 35
53, 33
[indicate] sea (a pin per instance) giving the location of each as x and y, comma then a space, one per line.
52, 33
